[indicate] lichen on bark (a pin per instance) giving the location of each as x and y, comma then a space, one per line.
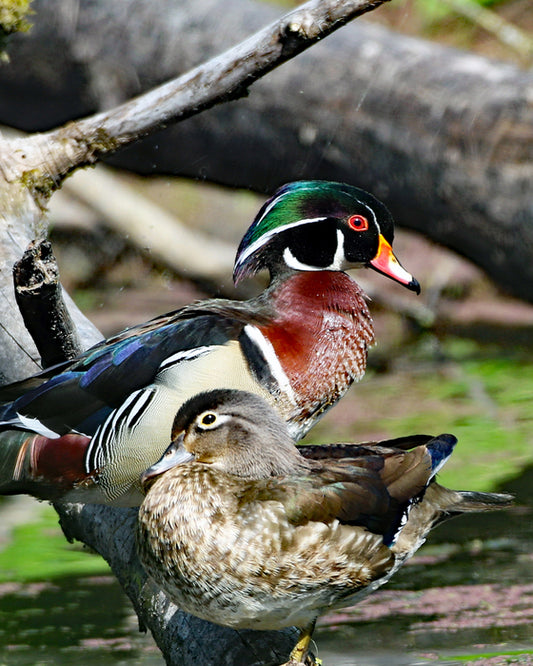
13, 18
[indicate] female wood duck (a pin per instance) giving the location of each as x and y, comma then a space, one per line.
86, 429
241, 528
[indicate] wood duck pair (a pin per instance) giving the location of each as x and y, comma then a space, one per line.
86, 429
243, 529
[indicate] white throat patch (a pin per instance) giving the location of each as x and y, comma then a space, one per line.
336, 264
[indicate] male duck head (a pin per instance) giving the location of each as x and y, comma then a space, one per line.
319, 225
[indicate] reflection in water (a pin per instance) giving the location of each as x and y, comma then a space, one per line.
71, 621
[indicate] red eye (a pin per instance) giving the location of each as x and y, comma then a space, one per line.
358, 223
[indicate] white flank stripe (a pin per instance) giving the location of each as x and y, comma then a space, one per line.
268, 352
37, 426
144, 397
186, 355
89, 452
93, 454
114, 427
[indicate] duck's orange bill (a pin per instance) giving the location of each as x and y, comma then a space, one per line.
385, 262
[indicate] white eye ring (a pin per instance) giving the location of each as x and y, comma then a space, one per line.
209, 420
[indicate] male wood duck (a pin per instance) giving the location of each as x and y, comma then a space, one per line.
242, 528
85, 430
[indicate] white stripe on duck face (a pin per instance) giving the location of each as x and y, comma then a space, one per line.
372, 213
336, 264
267, 235
264, 238
277, 199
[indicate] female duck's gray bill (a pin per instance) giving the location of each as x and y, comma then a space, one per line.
176, 454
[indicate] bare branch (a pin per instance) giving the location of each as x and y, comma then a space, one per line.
40, 300
506, 32
152, 228
32, 168
43, 160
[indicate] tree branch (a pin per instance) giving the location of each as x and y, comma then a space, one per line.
443, 137
148, 225
40, 300
32, 168
43, 160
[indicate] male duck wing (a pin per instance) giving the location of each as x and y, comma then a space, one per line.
79, 395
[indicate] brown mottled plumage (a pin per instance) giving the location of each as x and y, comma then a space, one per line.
239, 528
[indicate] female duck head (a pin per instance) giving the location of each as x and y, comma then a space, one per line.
233, 431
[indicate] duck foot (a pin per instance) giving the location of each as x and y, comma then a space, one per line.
300, 656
